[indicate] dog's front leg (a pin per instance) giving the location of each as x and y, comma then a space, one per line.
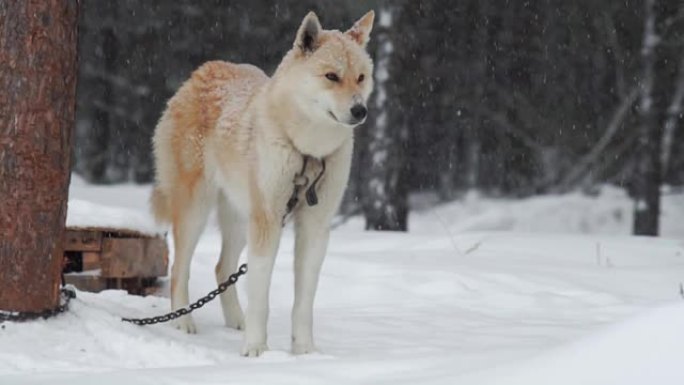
312, 233
311, 243
263, 239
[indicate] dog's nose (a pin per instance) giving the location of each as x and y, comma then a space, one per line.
359, 111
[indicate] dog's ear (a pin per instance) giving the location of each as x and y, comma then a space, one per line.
308, 33
360, 31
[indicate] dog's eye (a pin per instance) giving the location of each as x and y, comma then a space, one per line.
332, 77
361, 78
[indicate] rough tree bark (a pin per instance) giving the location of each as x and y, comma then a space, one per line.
659, 68
385, 201
37, 102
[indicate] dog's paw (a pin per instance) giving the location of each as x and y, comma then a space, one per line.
235, 319
186, 324
306, 348
253, 350
236, 323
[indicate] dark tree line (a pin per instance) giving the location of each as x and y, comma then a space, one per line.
510, 98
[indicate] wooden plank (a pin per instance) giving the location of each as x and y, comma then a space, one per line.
82, 240
116, 232
121, 257
133, 257
96, 284
91, 283
90, 260
157, 252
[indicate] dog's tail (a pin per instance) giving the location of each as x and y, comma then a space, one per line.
161, 209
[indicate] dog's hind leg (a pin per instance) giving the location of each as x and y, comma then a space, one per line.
188, 222
233, 232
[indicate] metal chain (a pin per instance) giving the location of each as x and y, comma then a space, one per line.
193, 306
300, 181
67, 293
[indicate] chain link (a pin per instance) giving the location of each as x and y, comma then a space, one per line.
66, 293
223, 286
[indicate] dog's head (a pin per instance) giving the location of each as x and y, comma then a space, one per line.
329, 73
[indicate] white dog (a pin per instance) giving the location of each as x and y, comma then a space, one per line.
235, 138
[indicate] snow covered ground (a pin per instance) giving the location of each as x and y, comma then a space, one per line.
547, 290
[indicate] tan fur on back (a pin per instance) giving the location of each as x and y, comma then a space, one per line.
190, 118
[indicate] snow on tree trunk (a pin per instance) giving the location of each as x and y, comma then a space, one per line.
37, 102
385, 200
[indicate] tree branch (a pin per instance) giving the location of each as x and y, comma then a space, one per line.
616, 120
525, 109
502, 120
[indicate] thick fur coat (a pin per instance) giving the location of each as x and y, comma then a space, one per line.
234, 138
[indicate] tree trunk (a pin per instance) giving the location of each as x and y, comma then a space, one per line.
673, 115
385, 201
659, 69
37, 102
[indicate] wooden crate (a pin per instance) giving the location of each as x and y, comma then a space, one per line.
104, 258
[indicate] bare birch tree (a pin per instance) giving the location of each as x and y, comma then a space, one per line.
385, 200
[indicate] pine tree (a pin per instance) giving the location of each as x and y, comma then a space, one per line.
37, 102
